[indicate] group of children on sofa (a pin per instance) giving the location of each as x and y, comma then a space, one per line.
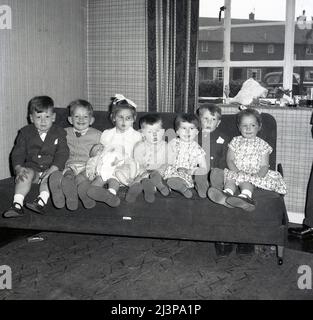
80, 162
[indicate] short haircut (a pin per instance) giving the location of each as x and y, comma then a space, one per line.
40, 104
82, 104
211, 107
185, 117
249, 112
120, 105
150, 119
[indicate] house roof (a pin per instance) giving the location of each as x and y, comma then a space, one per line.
274, 34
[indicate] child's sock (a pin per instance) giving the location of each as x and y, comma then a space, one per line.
19, 198
228, 190
113, 191
245, 194
44, 195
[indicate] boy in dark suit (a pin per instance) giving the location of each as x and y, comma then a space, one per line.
215, 144
40, 149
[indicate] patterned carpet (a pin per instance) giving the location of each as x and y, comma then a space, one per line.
72, 266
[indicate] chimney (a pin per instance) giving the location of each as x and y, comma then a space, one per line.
251, 16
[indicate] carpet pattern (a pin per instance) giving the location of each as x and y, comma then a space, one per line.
75, 266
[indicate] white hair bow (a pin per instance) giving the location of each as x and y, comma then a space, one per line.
119, 97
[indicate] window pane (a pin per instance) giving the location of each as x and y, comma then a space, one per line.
303, 80
211, 31
210, 82
269, 77
258, 30
303, 46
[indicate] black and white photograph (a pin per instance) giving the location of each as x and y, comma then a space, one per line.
156, 155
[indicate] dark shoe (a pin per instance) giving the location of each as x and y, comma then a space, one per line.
303, 232
245, 248
157, 181
133, 192
57, 195
223, 249
201, 185
246, 204
36, 206
82, 188
69, 188
148, 190
219, 196
178, 184
14, 212
103, 195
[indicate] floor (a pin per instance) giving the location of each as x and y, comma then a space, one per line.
76, 266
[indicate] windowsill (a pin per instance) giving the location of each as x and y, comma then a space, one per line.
273, 106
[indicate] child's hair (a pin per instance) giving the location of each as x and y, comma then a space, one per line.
249, 112
80, 103
211, 107
115, 107
40, 104
150, 119
185, 117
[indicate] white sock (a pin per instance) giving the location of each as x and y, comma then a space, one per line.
112, 191
44, 195
245, 193
228, 190
19, 198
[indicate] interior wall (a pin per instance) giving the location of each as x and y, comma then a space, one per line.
43, 54
116, 51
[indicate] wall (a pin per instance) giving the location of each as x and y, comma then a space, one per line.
117, 51
44, 53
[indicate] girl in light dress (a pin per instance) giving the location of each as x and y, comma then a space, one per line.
118, 144
248, 165
186, 157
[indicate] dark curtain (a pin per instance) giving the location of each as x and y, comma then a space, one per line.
172, 55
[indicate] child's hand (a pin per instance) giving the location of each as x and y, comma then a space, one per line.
21, 173
185, 170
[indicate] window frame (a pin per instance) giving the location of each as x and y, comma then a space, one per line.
246, 46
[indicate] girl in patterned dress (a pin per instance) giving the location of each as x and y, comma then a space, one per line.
186, 157
248, 165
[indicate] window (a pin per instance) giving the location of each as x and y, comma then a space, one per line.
218, 74
309, 50
255, 74
256, 36
248, 48
270, 49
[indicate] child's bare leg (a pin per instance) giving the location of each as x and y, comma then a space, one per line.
179, 185
55, 185
69, 188
217, 178
98, 193
83, 184
246, 189
22, 187
157, 181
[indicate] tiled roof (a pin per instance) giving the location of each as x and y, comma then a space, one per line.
257, 34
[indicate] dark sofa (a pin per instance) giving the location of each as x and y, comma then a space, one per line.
172, 217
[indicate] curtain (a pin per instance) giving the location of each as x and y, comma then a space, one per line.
172, 55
